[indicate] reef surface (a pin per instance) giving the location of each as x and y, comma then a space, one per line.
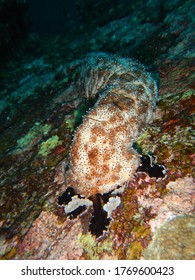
42, 102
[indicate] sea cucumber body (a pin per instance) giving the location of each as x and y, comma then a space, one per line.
102, 156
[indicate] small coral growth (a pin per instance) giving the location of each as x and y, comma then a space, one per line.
175, 240
94, 250
33, 136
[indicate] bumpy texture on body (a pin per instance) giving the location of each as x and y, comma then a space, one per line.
102, 156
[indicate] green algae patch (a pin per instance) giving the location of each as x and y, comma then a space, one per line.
145, 140
33, 136
134, 251
74, 121
49, 145
93, 249
188, 94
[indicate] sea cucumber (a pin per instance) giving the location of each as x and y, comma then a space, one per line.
102, 156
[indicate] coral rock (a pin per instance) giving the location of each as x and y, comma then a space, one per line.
175, 240
102, 156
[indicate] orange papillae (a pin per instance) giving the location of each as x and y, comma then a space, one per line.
102, 156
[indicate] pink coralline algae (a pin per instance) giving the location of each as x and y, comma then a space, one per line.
179, 201
102, 156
